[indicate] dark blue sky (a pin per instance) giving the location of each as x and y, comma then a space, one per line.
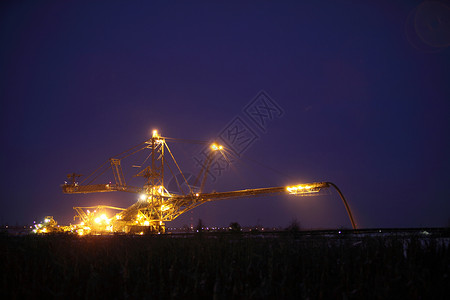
364, 89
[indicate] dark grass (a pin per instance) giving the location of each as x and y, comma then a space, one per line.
224, 267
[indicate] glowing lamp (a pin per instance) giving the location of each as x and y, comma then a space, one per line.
302, 189
216, 147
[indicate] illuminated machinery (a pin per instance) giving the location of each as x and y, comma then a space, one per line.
156, 205
49, 225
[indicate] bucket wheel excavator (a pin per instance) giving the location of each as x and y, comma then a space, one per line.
156, 205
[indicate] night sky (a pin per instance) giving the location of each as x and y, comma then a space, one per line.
360, 95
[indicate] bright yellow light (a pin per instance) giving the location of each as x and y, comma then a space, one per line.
44, 230
215, 147
197, 195
155, 133
47, 220
82, 223
143, 196
97, 220
146, 223
103, 217
164, 207
303, 188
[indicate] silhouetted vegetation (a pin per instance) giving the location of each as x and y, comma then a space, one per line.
294, 227
199, 227
235, 227
224, 266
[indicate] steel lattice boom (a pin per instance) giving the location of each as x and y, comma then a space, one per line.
156, 205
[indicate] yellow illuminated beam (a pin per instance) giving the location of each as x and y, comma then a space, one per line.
305, 188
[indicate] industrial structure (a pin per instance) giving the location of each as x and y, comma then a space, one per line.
156, 205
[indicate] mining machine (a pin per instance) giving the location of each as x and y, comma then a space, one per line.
156, 205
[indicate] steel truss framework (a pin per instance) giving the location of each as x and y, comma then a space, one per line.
156, 205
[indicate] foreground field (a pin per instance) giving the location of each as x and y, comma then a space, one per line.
226, 266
